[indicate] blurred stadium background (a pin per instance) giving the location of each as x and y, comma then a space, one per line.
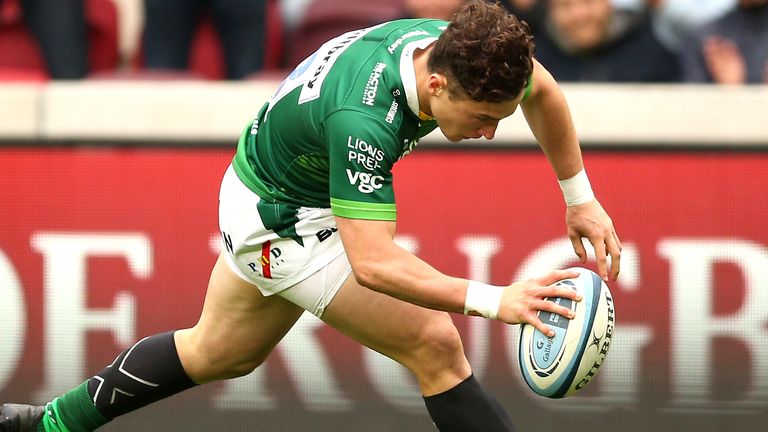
108, 193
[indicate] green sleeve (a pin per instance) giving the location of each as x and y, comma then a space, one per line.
361, 152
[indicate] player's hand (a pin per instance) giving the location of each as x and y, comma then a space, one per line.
591, 221
522, 301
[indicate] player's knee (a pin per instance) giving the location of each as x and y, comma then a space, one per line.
239, 368
439, 347
223, 364
207, 360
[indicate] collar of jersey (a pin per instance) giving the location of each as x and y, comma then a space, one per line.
408, 75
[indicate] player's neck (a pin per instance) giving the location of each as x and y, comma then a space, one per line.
420, 58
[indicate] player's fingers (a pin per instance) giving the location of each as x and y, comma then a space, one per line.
560, 291
540, 326
600, 257
578, 246
614, 250
557, 275
617, 240
556, 308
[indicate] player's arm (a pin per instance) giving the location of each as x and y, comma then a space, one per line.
380, 264
549, 118
362, 151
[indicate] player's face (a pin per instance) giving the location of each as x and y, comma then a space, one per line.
463, 118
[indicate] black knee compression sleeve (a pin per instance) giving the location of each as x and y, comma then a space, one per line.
468, 407
148, 371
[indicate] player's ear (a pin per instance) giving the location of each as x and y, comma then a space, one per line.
436, 84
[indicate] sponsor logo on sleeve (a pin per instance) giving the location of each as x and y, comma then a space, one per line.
365, 182
372, 86
366, 155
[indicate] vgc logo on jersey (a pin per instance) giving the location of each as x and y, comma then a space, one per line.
365, 182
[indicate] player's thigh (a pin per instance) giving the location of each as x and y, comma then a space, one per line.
424, 340
237, 329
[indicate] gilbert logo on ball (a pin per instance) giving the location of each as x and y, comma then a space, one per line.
559, 366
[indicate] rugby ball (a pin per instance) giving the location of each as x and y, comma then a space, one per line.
559, 366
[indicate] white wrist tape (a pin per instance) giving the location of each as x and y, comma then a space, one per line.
577, 190
483, 300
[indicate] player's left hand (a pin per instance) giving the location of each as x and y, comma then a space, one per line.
591, 221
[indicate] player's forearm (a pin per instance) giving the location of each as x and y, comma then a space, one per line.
400, 274
549, 118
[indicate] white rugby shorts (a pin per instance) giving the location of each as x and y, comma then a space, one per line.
308, 275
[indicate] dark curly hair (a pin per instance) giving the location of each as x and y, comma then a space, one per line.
485, 53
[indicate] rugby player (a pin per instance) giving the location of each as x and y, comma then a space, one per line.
307, 216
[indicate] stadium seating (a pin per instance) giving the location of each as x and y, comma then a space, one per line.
325, 19
21, 57
206, 59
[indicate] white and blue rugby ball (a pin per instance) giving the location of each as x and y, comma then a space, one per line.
559, 366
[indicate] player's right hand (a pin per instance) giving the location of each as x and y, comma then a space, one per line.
522, 301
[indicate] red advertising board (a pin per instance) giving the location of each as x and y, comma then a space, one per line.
101, 246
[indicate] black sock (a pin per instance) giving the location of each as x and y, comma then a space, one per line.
468, 407
148, 371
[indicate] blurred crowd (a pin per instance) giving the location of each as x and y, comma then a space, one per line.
658, 41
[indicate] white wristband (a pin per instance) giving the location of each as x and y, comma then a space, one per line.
577, 190
483, 300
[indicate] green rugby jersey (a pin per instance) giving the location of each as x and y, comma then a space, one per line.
338, 123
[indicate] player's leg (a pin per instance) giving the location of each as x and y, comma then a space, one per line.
428, 344
236, 331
